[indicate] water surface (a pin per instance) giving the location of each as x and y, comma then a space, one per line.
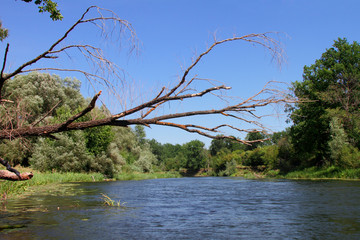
189, 208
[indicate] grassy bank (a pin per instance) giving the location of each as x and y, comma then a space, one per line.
324, 173
331, 172
144, 176
8, 188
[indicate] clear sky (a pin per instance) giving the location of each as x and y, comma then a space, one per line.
172, 32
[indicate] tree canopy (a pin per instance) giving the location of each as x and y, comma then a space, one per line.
331, 93
48, 6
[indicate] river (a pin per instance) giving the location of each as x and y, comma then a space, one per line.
189, 208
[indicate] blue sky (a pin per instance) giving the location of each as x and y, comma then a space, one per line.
172, 32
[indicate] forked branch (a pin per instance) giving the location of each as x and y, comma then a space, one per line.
91, 53
240, 113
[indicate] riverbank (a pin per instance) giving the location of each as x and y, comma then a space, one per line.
324, 173
144, 176
9, 188
13, 189
311, 173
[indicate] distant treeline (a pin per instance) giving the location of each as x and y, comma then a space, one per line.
325, 131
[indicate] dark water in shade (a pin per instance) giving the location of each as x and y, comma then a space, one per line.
190, 208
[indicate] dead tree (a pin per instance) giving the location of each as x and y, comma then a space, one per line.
144, 114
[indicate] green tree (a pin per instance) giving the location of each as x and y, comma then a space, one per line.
277, 136
66, 154
286, 156
342, 154
156, 149
3, 32
218, 144
253, 138
140, 133
194, 153
16, 151
332, 89
48, 6
219, 162
34, 96
98, 139
146, 160
170, 157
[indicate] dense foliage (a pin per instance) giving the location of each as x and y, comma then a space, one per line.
106, 149
326, 128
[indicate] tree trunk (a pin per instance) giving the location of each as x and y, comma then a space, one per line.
7, 175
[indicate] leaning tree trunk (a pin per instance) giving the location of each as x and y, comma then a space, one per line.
7, 175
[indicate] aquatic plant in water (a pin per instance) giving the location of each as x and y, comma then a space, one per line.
107, 201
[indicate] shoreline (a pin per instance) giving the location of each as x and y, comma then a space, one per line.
10, 189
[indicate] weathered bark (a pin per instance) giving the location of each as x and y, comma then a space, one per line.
7, 175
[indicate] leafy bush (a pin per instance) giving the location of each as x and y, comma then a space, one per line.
342, 153
254, 158
69, 154
271, 156
230, 168
98, 139
146, 161
219, 162
65, 154
350, 157
16, 152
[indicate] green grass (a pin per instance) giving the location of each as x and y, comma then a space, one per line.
324, 173
8, 188
144, 176
13, 189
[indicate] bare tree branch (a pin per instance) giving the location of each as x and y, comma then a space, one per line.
9, 168
82, 113
88, 51
11, 176
107, 72
47, 114
4, 61
247, 106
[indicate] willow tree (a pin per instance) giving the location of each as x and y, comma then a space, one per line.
107, 75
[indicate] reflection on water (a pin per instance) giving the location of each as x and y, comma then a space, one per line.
189, 208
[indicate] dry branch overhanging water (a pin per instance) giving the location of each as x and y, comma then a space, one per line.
243, 111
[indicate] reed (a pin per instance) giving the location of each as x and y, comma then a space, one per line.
107, 201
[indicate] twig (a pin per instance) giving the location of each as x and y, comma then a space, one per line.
47, 114
80, 114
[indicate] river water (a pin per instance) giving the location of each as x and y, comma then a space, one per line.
189, 208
